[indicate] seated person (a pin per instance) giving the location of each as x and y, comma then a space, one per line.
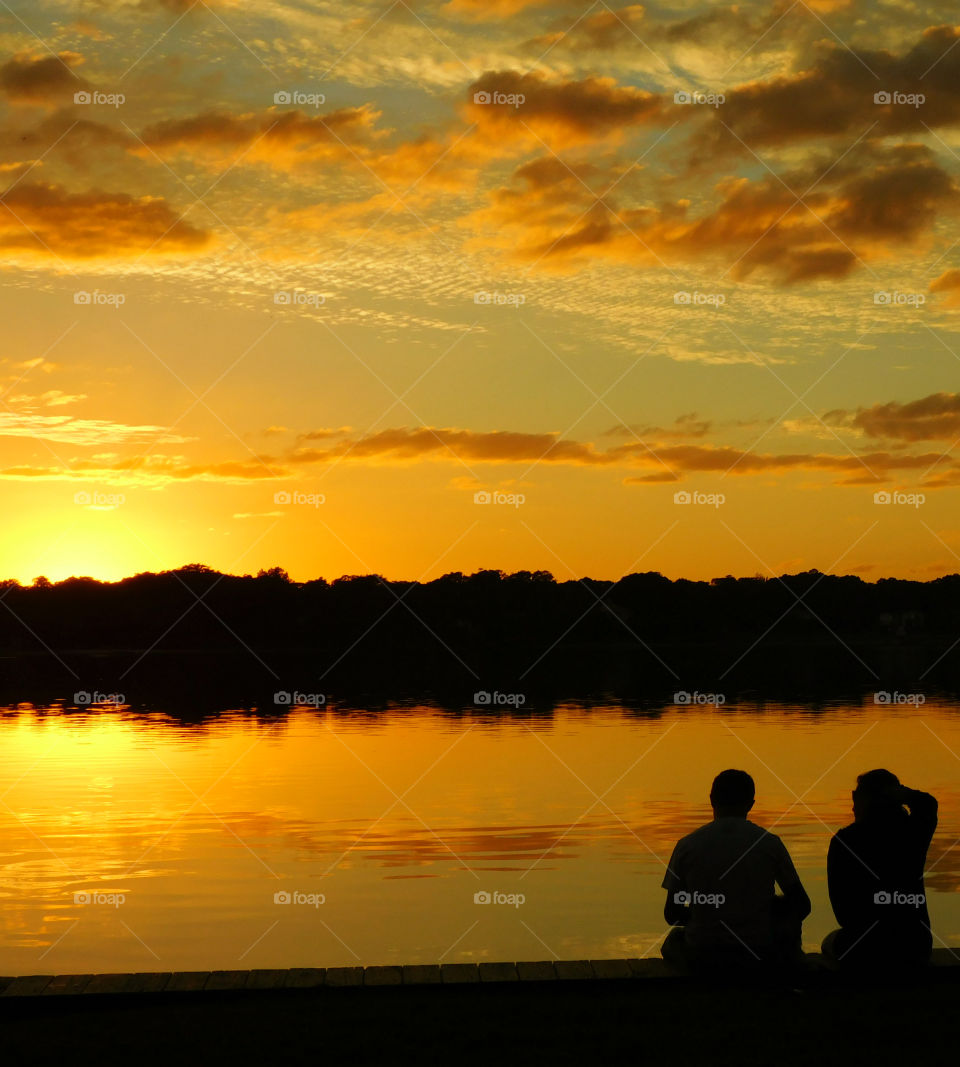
875, 877
721, 890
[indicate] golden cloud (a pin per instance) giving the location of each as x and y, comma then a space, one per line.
38, 79
933, 417
508, 104
861, 207
275, 137
46, 220
845, 92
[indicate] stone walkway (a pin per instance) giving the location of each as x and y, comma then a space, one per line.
46, 985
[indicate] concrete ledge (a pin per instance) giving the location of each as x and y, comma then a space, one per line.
188, 982
422, 974
66, 984
308, 977
382, 975
498, 972
541, 971
455, 973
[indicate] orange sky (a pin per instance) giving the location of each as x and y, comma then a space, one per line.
293, 286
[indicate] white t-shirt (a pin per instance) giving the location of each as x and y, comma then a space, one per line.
729, 868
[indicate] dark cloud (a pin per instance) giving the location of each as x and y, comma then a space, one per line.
835, 96
40, 79
933, 417
271, 130
860, 207
46, 220
570, 110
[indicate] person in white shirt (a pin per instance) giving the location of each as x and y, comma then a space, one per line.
721, 890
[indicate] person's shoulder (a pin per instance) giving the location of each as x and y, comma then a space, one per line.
766, 838
846, 840
700, 834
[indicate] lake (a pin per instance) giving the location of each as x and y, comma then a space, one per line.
414, 834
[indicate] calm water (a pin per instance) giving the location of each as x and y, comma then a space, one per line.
183, 835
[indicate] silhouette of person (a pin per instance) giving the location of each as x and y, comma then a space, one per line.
721, 891
875, 877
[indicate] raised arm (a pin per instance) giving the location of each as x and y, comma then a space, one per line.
922, 806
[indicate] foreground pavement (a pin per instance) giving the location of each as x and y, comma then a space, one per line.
487, 1018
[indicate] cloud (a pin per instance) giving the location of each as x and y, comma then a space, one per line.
151, 471
39, 79
46, 220
834, 96
498, 446
53, 398
684, 426
70, 430
949, 283
652, 462
667, 461
855, 209
278, 138
560, 111
603, 31
491, 9
933, 417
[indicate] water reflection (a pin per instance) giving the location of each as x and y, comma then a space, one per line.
137, 839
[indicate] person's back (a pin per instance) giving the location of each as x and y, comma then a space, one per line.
721, 883
875, 876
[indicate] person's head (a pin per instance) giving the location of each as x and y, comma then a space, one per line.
732, 793
874, 796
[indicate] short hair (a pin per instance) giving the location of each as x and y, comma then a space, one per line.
732, 789
876, 783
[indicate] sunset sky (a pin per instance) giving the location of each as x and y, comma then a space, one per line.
288, 283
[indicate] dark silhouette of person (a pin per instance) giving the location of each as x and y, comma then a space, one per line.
721, 891
875, 877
